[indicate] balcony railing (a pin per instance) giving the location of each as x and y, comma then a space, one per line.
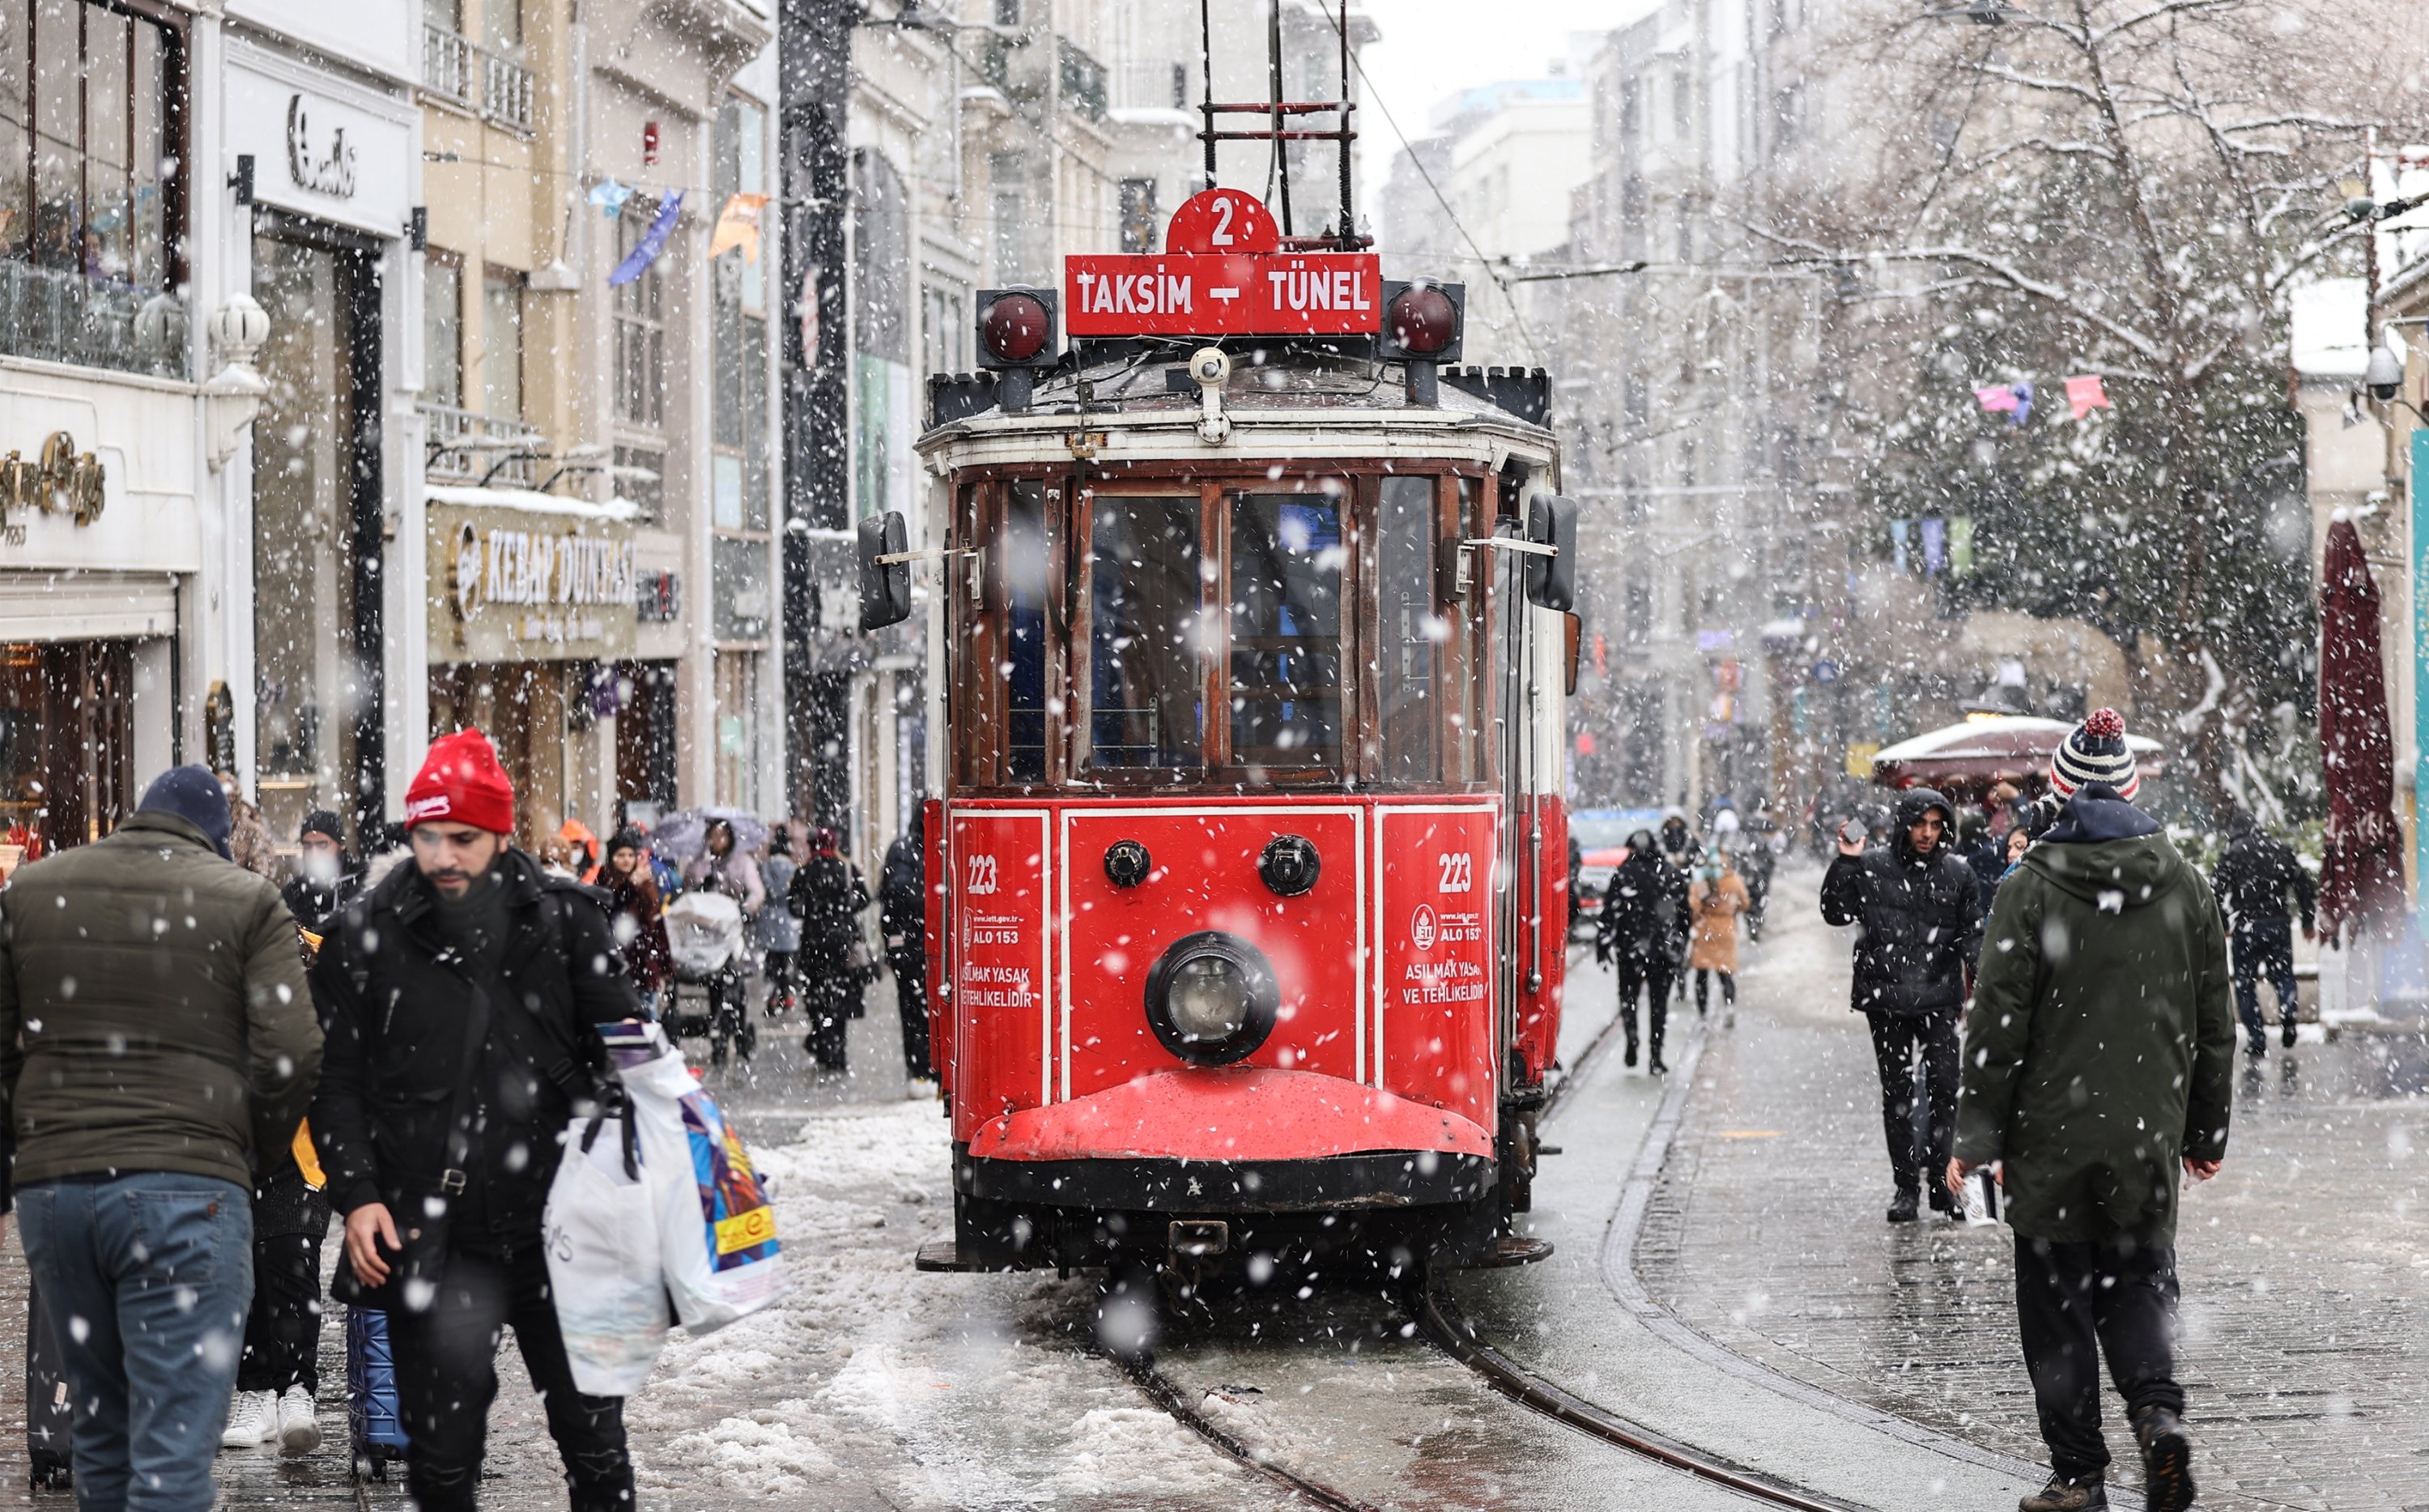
1082, 80
58, 315
466, 445
446, 64
453, 65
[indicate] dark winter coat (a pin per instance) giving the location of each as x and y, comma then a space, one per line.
315, 903
152, 1013
393, 994
2253, 875
2101, 1048
902, 898
830, 896
1921, 919
637, 917
1643, 911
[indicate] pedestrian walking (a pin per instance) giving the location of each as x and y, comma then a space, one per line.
155, 1043
1755, 863
2255, 874
776, 930
636, 912
903, 918
460, 997
2098, 1062
829, 896
1639, 933
324, 873
1922, 927
723, 867
1714, 901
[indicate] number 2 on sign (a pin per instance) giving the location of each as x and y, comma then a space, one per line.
981, 876
1222, 236
1458, 872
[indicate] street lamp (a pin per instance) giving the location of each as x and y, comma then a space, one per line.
232, 397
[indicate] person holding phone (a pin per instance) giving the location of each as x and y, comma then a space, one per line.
1918, 906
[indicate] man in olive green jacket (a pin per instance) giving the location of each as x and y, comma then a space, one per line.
2098, 1059
157, 1041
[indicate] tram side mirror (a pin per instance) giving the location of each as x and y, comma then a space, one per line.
1572, 641
885, 586
1552, 581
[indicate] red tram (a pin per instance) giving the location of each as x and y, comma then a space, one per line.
1250, 638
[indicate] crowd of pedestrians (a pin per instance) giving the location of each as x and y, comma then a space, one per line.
205, 1067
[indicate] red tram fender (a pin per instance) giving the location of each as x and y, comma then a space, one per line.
1228, 1114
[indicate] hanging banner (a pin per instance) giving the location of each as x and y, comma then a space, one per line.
652, 242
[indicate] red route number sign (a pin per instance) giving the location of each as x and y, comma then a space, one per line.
1224, 275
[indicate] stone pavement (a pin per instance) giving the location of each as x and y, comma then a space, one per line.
2306, 1264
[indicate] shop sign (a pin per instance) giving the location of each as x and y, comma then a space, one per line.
517, 585
322, 147
61, 481
329, 171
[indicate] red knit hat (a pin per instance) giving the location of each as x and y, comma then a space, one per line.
461, 782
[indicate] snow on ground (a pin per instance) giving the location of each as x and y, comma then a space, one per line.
871, 1384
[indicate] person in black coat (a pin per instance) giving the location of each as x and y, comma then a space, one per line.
459, 998
1641, 929
902, 917
323, 878
1919, 906
2255, 873
828, 894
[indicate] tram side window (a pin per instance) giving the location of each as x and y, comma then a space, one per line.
1024, 643
1285, 694
1406, 523
1147, 694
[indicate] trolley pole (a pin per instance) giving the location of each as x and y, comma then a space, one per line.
813, 70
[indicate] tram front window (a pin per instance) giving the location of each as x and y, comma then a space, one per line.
1145, 692
1285, 682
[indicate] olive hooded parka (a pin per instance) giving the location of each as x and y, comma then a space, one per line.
2100, 1048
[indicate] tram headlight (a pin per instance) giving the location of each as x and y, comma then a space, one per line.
1212, 998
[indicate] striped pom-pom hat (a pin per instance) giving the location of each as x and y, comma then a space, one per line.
2095, 751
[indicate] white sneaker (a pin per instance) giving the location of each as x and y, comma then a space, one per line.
253, 1420
299, 1426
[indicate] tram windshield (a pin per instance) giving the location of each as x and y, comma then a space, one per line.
1243, 632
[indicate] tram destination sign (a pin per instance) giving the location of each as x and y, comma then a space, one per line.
1210, 294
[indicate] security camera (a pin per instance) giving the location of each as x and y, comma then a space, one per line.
1211, 367
2384, 377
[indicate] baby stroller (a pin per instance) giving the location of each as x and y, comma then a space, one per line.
705, 932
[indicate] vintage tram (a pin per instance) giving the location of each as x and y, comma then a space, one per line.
1249, 635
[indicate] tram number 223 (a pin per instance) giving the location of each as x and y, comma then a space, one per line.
982, 877
1458, 872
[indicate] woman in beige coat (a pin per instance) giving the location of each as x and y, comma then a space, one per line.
1715, 903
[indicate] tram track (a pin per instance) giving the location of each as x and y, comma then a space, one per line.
1174, 1402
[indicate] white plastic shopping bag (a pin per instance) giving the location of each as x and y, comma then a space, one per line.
606, 1271
714, 1226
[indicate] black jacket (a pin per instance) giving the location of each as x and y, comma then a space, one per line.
1921, 921
314, 904
1644, 909
393, 995
2253, 875
830, 896
903, 896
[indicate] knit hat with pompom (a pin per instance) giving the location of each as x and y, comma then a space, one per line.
2095, 751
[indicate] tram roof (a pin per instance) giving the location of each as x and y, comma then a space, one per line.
1143, 405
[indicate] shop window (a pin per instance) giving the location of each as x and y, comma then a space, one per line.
67, 748
92, 205
501, 344
744, 608
442, 331
640, 326
645, 739
737, 680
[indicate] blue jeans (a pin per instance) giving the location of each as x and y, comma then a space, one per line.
146, 1278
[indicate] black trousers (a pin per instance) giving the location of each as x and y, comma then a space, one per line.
447, 1377
1896, 1042
2076, 1302
828, 988
910, 970
282, 1333
1655, 974
1704, 988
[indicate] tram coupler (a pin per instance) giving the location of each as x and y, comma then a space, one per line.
1197, 1239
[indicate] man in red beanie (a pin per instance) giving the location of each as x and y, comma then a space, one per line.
459, 998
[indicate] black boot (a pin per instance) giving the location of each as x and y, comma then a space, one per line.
1628, 1022
2288, 1032
1655, 1065
2167, 1460
1902, 1207
1944, 1200
2065, 1493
